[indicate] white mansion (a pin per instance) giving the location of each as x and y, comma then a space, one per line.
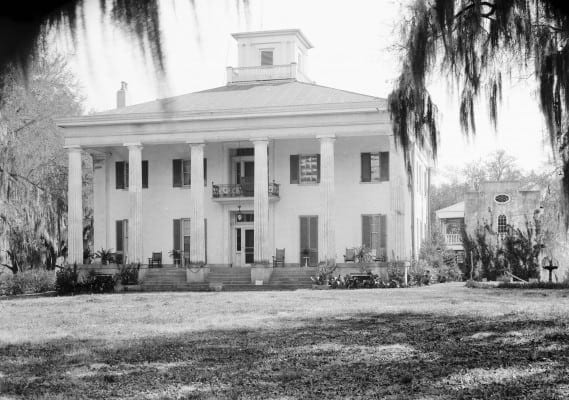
228, 175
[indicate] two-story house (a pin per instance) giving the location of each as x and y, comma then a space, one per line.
227, 175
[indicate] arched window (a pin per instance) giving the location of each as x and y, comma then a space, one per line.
502, 222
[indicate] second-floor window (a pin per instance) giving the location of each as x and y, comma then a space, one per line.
375, 167
502, 224
305, 168
182, 172
266, 57
121, 174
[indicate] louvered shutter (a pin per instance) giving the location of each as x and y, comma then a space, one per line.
119, 174
366, 231
176, 234
313, 241
119, 236
383, 233
294, 168
205, 171
318, 168
205, 238
126, 175
365, 167
177, 173
384, 166
145, 174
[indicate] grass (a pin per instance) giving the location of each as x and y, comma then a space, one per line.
439, 342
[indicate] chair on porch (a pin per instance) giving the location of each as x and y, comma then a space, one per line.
279, 258
155, 260
247, 186
350, 255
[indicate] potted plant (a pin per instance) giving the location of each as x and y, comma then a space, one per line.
175, 255
106, 256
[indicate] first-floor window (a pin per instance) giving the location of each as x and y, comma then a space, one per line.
121, 240
502, 224
181, 246
374, 234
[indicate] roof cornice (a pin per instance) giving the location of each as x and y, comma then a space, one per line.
242, 113
297, 32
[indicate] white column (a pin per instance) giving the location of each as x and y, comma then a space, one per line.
74, 207
327, 199
100, 201
197, 226
135, 250
261, 202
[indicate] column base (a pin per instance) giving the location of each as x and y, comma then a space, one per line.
197, 273
261, 273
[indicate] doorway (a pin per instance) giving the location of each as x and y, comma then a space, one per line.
243, 238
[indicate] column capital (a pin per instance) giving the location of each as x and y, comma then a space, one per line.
75, 148
261, 140
195, 142
326, 138
133, 145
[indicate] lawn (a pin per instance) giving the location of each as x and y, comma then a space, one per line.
439, 342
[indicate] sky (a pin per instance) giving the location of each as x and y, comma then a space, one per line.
353, 50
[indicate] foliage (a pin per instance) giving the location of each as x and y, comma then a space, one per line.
30, 281
33, 162
475, 43
435, 257
534, 285
68, 282
128, 274
515, 253
106, 256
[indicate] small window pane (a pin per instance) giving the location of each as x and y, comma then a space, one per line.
186, 172
309, 169
267, 57
374, 166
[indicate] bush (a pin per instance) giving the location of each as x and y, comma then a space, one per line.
533, 285
66, 280
31, 281
128, 274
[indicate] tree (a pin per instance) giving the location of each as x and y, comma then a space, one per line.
472, 41
33, 162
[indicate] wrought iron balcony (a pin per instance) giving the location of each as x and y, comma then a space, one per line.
453, 238
224, 191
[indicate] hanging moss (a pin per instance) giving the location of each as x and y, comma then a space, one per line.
468, 41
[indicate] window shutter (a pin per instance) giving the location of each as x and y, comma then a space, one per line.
318, 168
177, 173
383, 233
294, 168
119, 174
205, 238
314, 233
119, 236
205, 171
303, 234
145, 174
366, 231
384, 166
366, 167
176, 234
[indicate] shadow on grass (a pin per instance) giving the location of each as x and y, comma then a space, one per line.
364, 356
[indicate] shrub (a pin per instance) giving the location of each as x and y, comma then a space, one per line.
128, 274
66, 281
106, 256
31, 281
533, 285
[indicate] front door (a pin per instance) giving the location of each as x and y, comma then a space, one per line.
309, 241
244, 246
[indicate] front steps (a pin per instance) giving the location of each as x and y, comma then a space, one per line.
226, 279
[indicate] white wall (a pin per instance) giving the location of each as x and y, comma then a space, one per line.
162, 203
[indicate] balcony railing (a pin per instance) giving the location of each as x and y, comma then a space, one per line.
453, 238
261, 73
224, 191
